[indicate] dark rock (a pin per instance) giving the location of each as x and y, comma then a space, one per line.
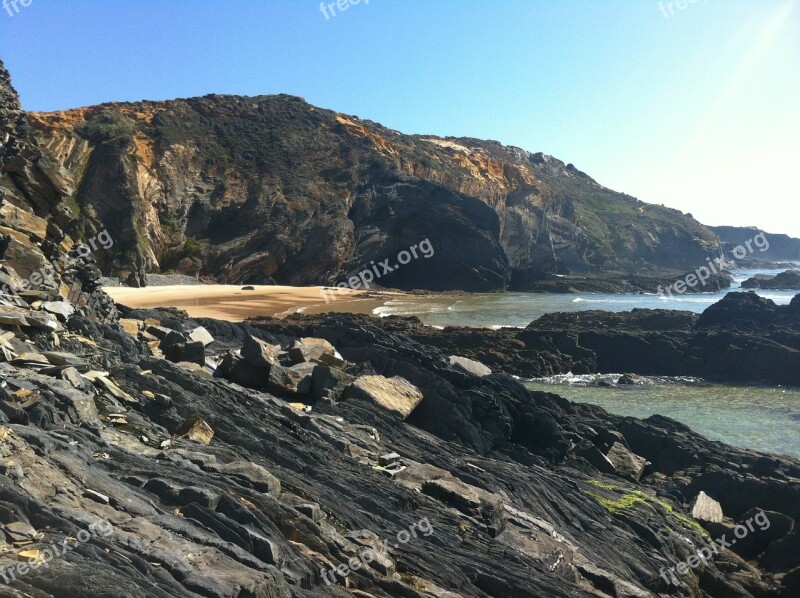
326, 379
172, 338
789, 280
193, 352
259, 353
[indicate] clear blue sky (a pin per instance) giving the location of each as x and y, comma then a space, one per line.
699, 110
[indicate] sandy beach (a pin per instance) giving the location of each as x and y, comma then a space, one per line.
230, 302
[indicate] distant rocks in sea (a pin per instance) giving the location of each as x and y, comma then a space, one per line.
788, 280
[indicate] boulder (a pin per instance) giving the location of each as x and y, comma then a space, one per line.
130, 326
193, 352
283, 380
627, 463
395, 394
329, 381
259, 353
158, 332
590, 452
173, 337
310, 349
234, 368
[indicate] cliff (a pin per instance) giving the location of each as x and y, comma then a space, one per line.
781, 247
272, 189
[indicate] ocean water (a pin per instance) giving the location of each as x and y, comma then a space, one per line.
761, 418
520, 309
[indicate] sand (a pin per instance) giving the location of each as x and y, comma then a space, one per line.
230, 302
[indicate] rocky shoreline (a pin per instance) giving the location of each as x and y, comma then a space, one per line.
152, 455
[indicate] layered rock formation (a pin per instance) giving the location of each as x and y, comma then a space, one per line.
42, 261
272, 189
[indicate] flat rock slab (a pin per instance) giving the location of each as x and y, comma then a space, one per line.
201, 335
470, 366
395, 394
707, 509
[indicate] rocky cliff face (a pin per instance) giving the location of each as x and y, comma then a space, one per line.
270, 188
781, 247
42, 263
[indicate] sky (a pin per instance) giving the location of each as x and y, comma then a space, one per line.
695, 105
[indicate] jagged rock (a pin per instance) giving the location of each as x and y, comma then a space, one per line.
62, 309
627, 464
196, 429
310, 349
284, 380
706, 508
396, 394
13, 318
388, 459
589, 451
626, 380
476, 368
332, 360
329, 381
236, 369
483, 506
259, 353
173, 337
255, 475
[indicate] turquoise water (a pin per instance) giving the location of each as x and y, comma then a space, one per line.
761, 418
766, 419
520, 309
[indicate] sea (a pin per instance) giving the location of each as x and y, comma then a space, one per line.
765, 418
